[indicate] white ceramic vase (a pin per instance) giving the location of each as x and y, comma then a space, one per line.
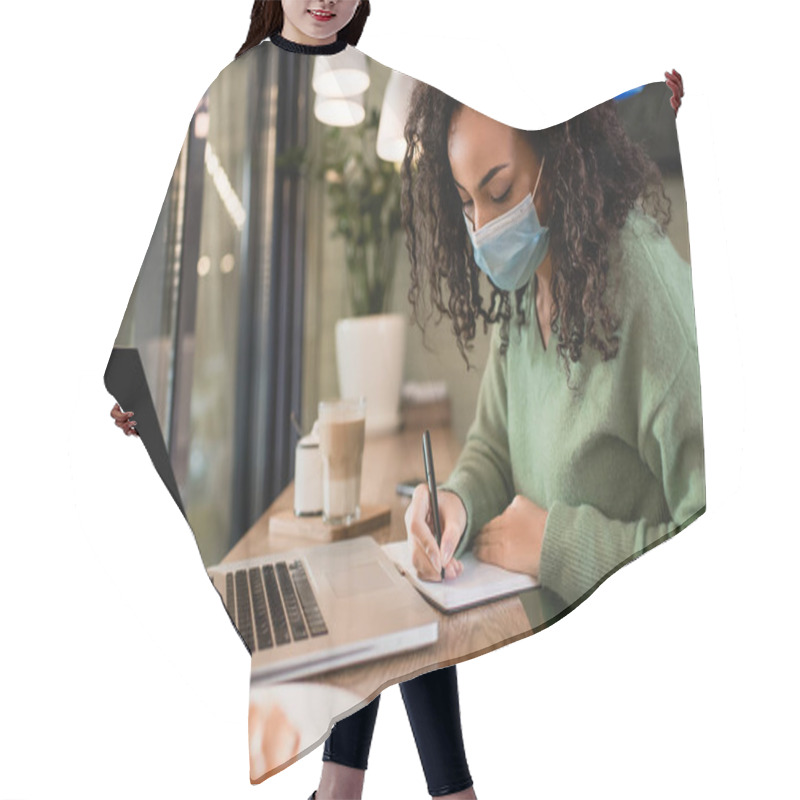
370, 356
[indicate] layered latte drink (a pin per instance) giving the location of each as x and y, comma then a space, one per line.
341, 444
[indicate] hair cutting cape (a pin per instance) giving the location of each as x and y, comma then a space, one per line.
278, 275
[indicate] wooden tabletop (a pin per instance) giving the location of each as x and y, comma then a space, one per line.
389, 459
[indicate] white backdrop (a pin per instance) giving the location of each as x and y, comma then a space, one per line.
677, 678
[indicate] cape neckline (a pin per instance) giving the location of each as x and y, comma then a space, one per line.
311, 49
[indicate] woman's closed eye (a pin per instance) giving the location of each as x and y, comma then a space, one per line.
469, 203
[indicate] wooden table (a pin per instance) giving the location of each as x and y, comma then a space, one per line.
389, 459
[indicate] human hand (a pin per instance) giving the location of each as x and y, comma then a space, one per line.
426, 557
513, 539
675, 83
124, 420
273, 739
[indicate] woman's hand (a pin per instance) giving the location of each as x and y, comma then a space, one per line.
124, 420
427, 558
675, 83
513, 540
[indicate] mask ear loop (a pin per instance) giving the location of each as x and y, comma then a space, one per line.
530, 295
541, 167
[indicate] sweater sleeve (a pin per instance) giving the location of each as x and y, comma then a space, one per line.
482, 476
582, 546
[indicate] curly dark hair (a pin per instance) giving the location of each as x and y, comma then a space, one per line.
266, 19
592, 177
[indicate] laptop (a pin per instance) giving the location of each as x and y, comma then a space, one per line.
313, 609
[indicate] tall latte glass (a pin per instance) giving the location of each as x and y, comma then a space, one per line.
341, 445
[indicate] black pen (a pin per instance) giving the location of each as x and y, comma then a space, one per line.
427, 455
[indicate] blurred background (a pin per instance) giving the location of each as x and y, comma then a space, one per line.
279, 225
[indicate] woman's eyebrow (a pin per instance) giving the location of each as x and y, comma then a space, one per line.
486, 178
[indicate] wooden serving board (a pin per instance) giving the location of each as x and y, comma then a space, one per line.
286, 523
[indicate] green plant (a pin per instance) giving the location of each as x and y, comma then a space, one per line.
364, 196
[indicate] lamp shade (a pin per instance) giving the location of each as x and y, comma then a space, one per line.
342, 74
342, 112
391, 138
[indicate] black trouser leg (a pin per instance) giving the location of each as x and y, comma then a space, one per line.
432, 706
351, 737
433, 711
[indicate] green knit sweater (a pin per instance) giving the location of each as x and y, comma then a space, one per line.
618, 463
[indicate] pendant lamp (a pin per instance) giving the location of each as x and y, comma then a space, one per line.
343, 112
391, 144
342, 74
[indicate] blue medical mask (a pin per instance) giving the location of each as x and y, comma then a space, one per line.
511, 247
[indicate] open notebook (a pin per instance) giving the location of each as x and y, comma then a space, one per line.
478, 583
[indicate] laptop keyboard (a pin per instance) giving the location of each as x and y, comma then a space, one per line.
273, 605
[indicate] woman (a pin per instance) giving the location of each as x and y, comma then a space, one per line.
587, 447
431, 700
306, 22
